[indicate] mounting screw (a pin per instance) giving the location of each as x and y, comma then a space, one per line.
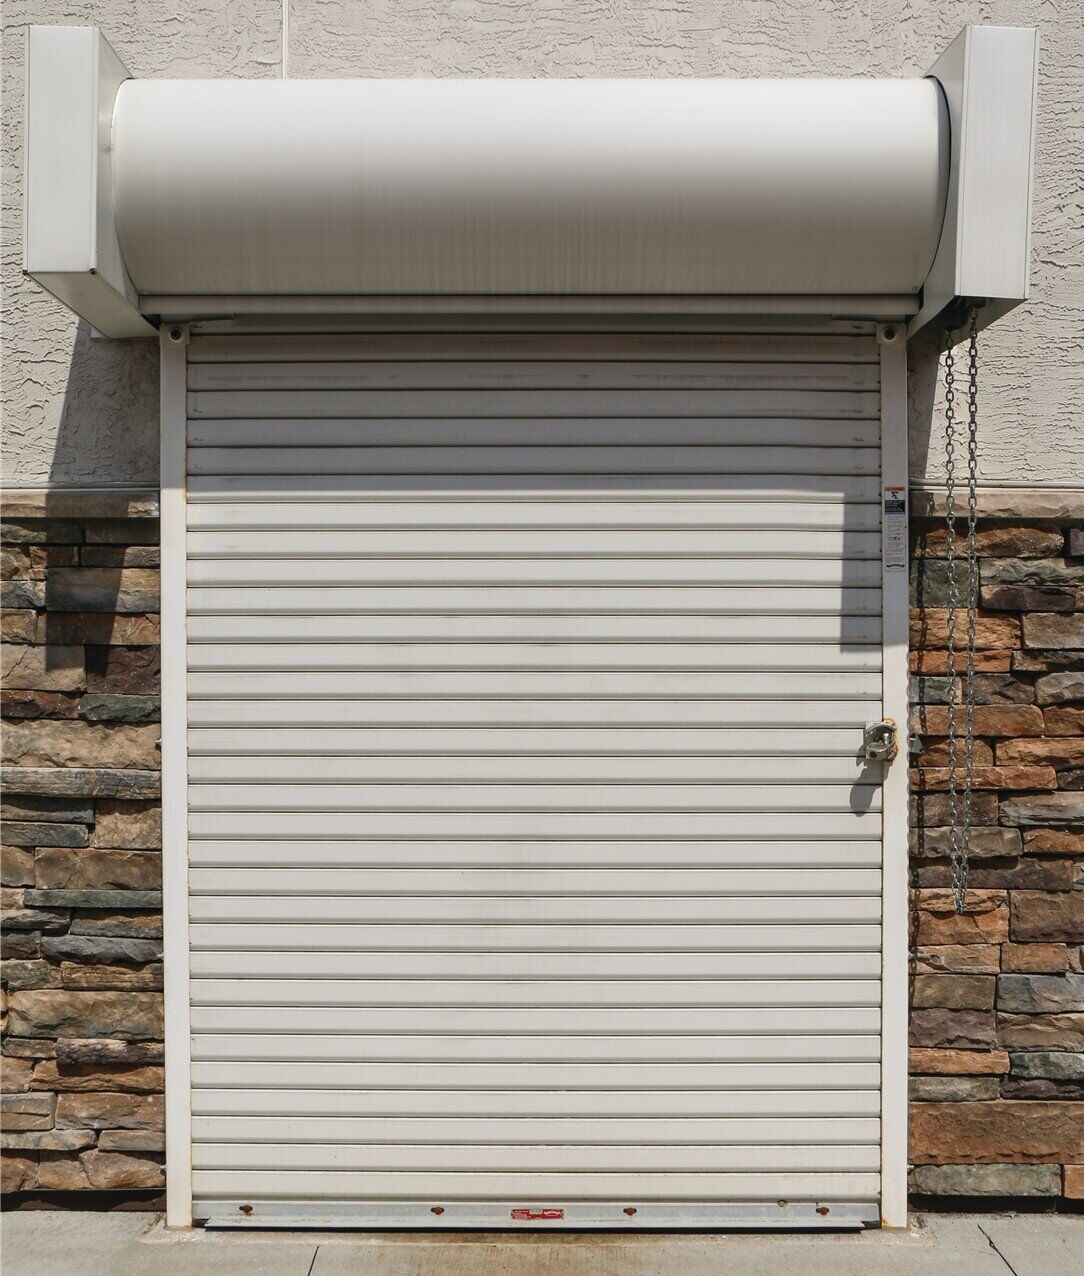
177, 334
823, 1209
437, 1209
245, 1209
630, 1210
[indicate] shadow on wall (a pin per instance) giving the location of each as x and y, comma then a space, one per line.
106, 443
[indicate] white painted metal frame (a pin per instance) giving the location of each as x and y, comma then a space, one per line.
174, 517
894, 1058
894, 1081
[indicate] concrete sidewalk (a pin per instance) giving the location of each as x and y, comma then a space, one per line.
71, 1244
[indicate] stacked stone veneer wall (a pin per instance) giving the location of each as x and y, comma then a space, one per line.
82, 957
996, 1022
996, 993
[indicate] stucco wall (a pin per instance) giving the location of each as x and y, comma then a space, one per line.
78, 412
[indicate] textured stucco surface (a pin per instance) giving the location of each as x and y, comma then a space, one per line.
78, 412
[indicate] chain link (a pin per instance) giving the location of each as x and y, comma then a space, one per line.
961, 780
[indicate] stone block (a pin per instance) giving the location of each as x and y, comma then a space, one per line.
1012, 776
29, 974
46, 1140
953, 992
61, 1173
1022, 598
145, 1079
936, 754
1052, 631
929, 582
100, 629
1052, 842
124, 670
984, 843
15, 1074
1002, 540
1034, 571
937, 662
47, 920
1018, 958
929, 628
93, 950
18, 625
990, 720
1061, 751
16, 865
1059, 688
1044, 661
944, 927
128, 825
29, 506
1039, 1032
27, 1111
20, 945
108, 1111
942, 1062
1063, 720
18, 1171
92, 869
1021, 874
82, 744
952, 1029
125, 925
932, 810
1047, 809
116, 1171
1036, 916
952, 958
1072, 779
23, 833
1006, 1131
106, 706
72, 1052
1052, 1065
51, 668
102, 589
17, 595
35, 529
1072, 1182
28, 1048
987, 1180
1031, 994
96, 899
105, 782
73, 975
120, 556
131, 1141
952, 1089
31, 807
128, 1016
124, 531
997, 688
29, 705
1040, 1088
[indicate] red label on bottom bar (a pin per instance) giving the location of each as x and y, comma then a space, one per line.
531, 1214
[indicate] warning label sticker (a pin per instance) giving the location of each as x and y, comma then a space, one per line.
895, 529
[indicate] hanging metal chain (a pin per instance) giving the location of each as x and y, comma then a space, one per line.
960, 783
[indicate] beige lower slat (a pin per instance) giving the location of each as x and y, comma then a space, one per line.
282, 1183
524, 992
536, 1158
779, 1106
647, 1130
403, 1079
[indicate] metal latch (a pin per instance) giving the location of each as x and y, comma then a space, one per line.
880, 741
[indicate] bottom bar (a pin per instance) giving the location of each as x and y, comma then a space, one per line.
541, 1215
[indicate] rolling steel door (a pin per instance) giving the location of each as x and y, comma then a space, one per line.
535, 873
